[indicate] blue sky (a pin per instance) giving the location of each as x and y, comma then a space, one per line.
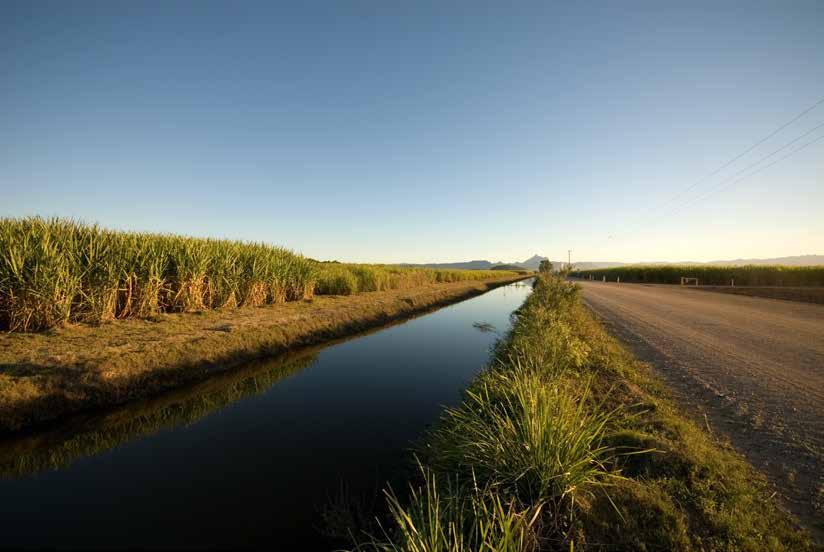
419, 131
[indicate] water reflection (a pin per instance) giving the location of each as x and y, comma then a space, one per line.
93, 434
248, 459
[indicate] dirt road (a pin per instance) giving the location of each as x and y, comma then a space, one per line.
754, 367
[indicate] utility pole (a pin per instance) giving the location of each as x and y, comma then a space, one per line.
569, 259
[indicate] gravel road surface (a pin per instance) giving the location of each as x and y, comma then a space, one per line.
751, 369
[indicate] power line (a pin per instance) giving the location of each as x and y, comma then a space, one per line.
733, 180
742, 154
765, 167
733, 160
723, 183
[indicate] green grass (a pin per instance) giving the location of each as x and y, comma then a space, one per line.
446, 516
567, 442
54, 271
532, 437
751, 275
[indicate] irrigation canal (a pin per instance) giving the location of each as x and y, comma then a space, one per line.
253, 457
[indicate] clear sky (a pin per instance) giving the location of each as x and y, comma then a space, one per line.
419, 131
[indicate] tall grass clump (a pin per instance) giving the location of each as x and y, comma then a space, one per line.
37, 283
57, 270
750, 275
442, 516
535, 439
336, 280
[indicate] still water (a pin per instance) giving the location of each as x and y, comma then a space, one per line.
249, 459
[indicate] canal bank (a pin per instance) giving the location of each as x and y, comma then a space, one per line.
77, 368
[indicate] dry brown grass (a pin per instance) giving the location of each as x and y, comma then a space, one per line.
81, 367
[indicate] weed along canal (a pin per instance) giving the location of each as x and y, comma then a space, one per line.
254, 457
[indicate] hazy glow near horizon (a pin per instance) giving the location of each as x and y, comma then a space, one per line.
428, 131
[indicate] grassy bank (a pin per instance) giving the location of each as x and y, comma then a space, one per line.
54, 271
752, 275
46, 376
567, 442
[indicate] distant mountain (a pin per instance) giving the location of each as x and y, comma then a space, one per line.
533, 262
797, 260
530, 264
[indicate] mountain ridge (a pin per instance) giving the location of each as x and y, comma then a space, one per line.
533, 262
